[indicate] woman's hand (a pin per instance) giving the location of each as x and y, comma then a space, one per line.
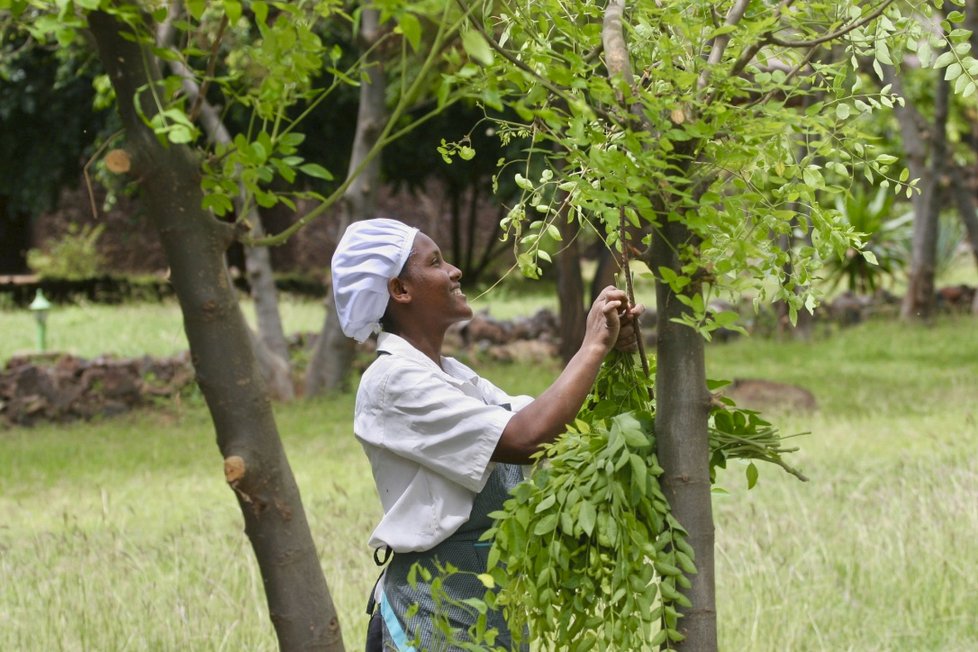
628, 333
610, 323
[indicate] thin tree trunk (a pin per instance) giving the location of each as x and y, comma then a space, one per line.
682, 439
682, 397
964, 197
224, 361
570, 291
919, 301
273, 351
332, 358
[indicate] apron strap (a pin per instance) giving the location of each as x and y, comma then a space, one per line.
388, 552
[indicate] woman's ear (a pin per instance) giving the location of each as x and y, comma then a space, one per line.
398, 291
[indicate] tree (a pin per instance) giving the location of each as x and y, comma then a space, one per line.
270, 346
697, 151
332, 358
187, 186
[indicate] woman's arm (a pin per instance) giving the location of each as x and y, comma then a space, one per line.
608, 325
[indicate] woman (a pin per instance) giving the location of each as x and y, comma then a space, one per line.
444, 444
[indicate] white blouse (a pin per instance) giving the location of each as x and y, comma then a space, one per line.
429, 435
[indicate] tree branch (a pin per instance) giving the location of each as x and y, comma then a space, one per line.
613, 39
546, 83
719, 46
842, 31
211, 65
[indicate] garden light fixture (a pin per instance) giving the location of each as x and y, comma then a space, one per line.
40, 307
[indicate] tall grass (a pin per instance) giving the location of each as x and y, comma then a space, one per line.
121, 534
877, 551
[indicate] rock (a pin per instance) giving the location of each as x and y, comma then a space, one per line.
62, 387
767, 395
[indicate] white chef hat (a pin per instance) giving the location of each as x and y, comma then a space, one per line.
370, 253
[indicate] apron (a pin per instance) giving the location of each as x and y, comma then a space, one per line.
462, 550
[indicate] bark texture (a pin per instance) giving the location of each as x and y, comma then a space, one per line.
224, 361
682, 440
332, 358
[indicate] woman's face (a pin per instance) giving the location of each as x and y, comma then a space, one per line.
434, 284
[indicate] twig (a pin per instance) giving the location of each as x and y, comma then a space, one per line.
630, 291
211, 65
831, 36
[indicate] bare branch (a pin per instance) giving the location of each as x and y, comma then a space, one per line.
719, 46
613, 38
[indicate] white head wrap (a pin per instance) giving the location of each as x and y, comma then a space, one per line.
370, 253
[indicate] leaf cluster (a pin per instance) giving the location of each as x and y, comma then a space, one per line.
585, 552
735, 125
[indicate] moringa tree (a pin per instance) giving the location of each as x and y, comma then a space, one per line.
186, 185
682, 122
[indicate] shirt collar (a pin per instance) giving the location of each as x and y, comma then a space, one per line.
397, 345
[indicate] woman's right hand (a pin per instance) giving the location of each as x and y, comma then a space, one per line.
604, 320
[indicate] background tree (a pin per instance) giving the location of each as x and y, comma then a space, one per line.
186, 186
332, 358
697, 150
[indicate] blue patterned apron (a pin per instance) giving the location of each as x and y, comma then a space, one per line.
464, 551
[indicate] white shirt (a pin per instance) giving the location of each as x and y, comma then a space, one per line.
429, 434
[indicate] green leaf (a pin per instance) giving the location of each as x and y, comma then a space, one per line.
477, 47
261, 11
316, 170
523, 182
545, 504
411, 28
196, 8
487, 580
233, 10
545, 525
587, 518
639, 471
944, 59
751, 475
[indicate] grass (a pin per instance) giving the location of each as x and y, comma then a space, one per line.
120, 534
873, 553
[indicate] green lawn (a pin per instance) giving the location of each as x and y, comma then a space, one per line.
121, 535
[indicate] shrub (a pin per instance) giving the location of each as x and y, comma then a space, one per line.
74, 256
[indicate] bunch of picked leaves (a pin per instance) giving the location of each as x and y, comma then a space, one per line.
737, 433
585, 552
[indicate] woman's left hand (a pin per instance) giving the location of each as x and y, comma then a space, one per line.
628, 333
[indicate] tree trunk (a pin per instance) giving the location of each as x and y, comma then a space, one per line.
919, 301
332, 359
682, 398
964, 197
224, 361
570, 291
682, 439
277, 369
